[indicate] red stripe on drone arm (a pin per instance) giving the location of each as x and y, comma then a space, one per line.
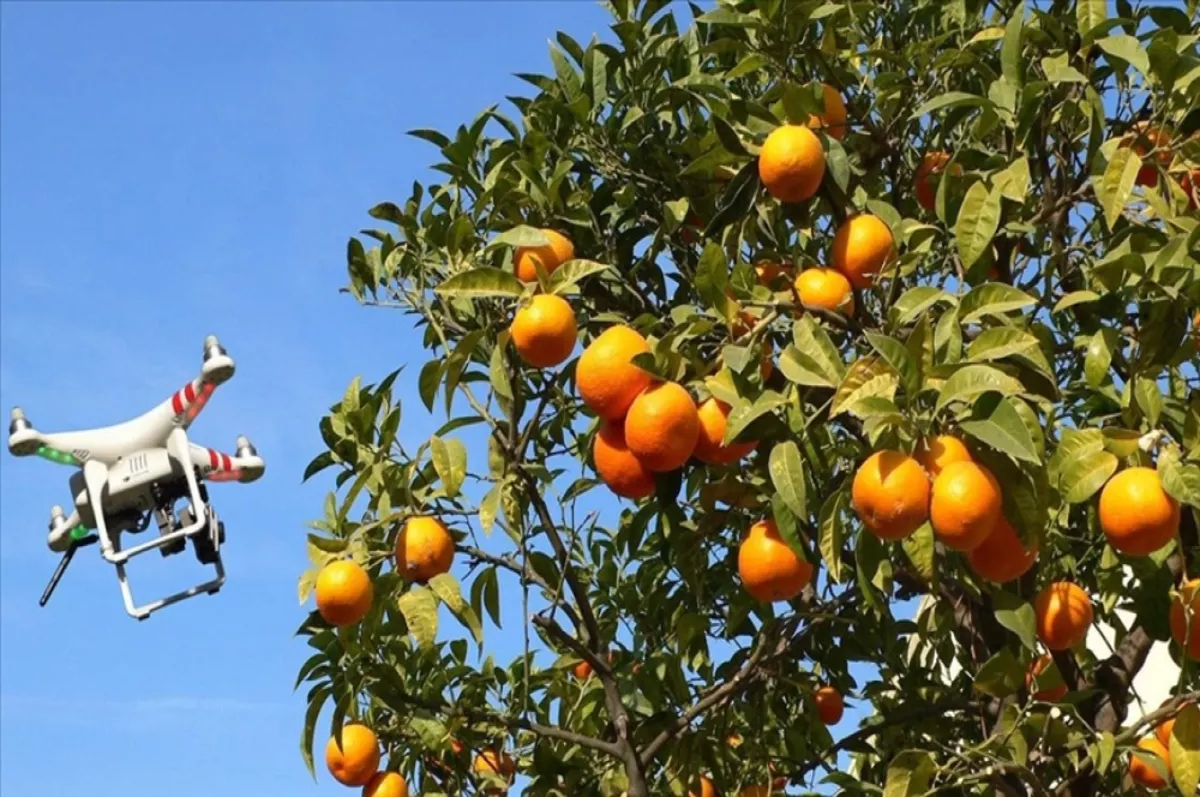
213, 458
196, 406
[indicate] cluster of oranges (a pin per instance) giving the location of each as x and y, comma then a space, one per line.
1148, 139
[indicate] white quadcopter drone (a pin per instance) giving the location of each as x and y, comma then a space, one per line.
138, 468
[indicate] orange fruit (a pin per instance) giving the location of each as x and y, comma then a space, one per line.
491, 762
827, 288
714, 416
1001, 557
583, 670
1184, 618
735, 740
1144, 137
791, 163
890, 493
704, 788
769, 569
344, 593
386, 784
862, 246
1136, 514
965, 505
607, 379
928, 175
832, 120
939, 452
1063, 613
617, 466
772, 275
830, 705
662, 426
1190, 183
1164, 729
543, 331
424, 549
1143, 773
557, 251
356, 760
1036, 668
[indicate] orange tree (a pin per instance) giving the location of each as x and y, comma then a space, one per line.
801, 338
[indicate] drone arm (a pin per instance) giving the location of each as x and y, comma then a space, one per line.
215, 466
189, 400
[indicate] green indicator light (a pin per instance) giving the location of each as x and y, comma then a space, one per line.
79, 532
54, 455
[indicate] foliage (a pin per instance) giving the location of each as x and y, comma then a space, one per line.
1040, 311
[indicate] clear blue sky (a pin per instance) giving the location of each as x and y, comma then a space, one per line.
167, 171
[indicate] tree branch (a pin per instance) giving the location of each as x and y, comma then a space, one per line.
526, 575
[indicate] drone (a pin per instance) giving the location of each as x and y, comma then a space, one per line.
132, 471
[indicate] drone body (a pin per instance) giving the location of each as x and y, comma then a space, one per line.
131, 471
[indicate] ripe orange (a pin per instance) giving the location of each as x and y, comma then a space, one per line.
558, 251
714, 416
772, 275
356, 761
386, 784
1184, 619
543, 331
791, 163
1064, 613
1136, 513
928, 175
607, 379
1036, 668
704, 788
491, 762
833, 119
862, 246
1001, 557
965, 506
617, 466
583, 670
939, 452
827, 288
344, 593
1144, 774
1164, 729
1144, 137
662, 426
830, 705
424, 549
769, 569
891, 494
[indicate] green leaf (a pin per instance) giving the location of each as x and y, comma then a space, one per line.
571, 272
919, 547
787, 474
1180, 481
978, 220
994, 299
896, 355
489, 507
728, 137
915, 301
1098, 358
1127, 48
838, 164
832, 533
742, 416
419, 608
1115, 186
1013, 181
316, 700
1082, 476
450, 462
522, 235
1185, 749
308, 582
1105, 749
802, 369
1059, 70
1010, 51
1017, 616
1149, 398
813, 342
1089, 14
1074, 298
950, 99
971, 381
867, 376
996, 343
1000, 676
1003, 430
481, 282
449, 591
909, 774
